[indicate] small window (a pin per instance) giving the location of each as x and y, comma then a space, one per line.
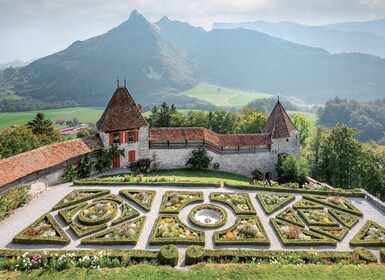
131, 136
287, 139
116, 138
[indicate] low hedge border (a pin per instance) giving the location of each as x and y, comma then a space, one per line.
264, 240
198, 197
307, 204
14, 198
347, 220
332, 223
126, 257
62, 239
111, 197
128, 213
196, 254
67, 214
95, 193
127, 194
153, 240
322, 199
325, 231
101, 239
216, 196
220, 223
104, 219
270, 209
169, 255
358, 238
382, 255
365, 254
82, 231
154, 184
299, 190
319, 241
297, 221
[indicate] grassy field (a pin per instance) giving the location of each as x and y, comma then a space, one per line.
81, 113
222, 96
211, 271
310, 116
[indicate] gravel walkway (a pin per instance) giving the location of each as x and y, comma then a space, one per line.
44, 202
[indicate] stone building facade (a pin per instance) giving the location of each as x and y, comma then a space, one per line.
122, 123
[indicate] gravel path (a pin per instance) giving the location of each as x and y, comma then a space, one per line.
44, 202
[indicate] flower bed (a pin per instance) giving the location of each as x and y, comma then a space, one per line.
128, 213
77, 196
288, 215
247, 230
347, 220
143, 198
239, 202
111, 197
273, 202
292, 235
335, 201
307, 204
174, 201
168, 229
295, 188
219, 216
365, 254
317, 217
371, 234
198, 255
98, 212
67, 214
82, 231
44, 230
127, 233
337, 233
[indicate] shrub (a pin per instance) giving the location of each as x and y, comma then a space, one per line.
382, 255
141, 165
257, 175
169, 255
365, 254
12, 199
290, 169
107, 157
85, 167
70, 173
194, 254
199, 159
216, 166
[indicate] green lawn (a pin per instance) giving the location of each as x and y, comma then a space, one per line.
83, 114
222, 96
210, 271
202, 176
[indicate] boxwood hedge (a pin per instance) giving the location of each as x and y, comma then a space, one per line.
281, 200
77, 196
337, 233
239, 202
327, 200
67, 214
181, 198
371, 234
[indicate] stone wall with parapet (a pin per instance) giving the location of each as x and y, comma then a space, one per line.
290, 145
242, 164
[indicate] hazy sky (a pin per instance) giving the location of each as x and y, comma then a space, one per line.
32, 29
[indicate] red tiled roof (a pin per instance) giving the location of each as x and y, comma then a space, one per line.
121, 113
200, 133
19, 166
279, 124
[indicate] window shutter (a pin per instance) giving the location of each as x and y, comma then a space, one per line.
126, 137
111, 138
136, 135
121, 138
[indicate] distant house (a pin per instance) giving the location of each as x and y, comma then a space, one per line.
60, 122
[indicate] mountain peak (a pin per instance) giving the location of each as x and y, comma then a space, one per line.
137, 17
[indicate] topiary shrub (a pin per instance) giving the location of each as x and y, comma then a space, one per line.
141, 165
199, 159
194, 254
365, 254
169, 255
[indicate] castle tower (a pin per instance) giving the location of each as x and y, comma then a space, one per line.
284, 136
123, 124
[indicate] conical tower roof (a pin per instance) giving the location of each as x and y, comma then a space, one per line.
121, 113
279, 124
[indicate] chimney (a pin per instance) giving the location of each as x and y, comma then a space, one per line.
139, 107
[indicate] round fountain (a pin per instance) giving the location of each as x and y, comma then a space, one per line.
208, 215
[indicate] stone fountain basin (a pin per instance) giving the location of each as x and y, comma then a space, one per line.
208, 216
